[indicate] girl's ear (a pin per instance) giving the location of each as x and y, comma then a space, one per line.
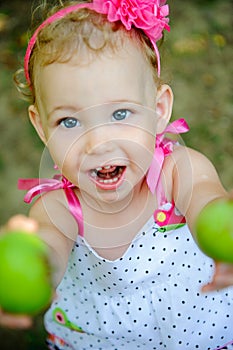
36, 122
164, 103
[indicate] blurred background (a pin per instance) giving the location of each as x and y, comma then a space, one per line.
197, 61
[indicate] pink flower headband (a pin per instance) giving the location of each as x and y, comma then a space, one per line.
148, 15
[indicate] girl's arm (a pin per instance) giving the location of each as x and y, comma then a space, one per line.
57, 228
52, 221
195, 185
18, 321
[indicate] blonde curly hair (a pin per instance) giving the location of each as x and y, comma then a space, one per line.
58, 41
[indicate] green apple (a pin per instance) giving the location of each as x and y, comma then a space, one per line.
214, 230
25, 284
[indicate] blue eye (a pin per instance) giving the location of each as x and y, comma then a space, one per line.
121, 114
69, 122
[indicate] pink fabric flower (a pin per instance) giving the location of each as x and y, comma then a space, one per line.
148, 15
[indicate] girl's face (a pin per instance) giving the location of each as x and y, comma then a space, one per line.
99, 120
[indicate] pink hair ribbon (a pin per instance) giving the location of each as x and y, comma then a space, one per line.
148, 15
163, 148
38, 186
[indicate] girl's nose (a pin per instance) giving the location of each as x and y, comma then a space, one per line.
99, 141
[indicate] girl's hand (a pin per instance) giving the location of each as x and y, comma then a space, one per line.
10, 320
23, 222
222, 278
15, 321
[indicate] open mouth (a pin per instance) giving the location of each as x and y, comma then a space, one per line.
109, 176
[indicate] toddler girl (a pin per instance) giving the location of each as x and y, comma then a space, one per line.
120, 214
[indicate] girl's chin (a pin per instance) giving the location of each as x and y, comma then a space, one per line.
120, 195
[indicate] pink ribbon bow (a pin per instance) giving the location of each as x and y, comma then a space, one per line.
39, 186
162, 149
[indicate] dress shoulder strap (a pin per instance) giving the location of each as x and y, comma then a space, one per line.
38, 186
163, 147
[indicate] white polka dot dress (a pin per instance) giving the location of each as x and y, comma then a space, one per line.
148, 299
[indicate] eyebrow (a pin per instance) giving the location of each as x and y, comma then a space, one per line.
126, 101
68, 108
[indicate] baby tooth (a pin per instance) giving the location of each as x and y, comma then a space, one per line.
109, 181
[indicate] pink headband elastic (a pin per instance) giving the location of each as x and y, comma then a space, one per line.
148, 15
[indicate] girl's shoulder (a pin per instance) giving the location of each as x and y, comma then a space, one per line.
51, 211
56, 205
185, 166
184, 158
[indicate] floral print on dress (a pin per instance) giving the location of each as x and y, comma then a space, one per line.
168, 218
59, 316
